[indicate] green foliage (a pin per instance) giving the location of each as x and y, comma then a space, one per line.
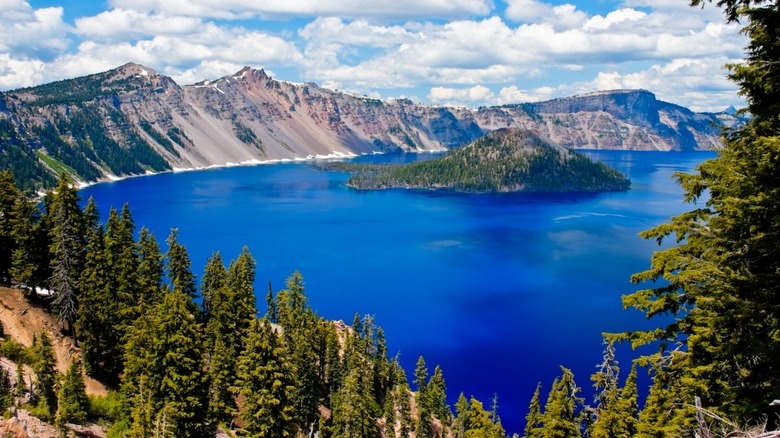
16, 352
106, 408
502, 161
68, 241
46, 377
73, 402
560, 418
179, 272
534, 419
718, 284
6, 390
164, 382
265, 381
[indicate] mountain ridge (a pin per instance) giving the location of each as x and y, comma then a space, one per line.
133, 120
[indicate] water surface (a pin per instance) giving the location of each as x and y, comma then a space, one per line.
498, 289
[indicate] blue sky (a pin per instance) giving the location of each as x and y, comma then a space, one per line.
444, 52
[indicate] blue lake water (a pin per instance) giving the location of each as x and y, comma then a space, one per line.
497, 289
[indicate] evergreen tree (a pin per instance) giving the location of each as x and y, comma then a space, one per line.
66, 249
461, 416
6, 390
668, 410
354, 416
179, 273
123, 264
30, 260
299, 325
560, 418
9, 194
424, 426
719, 282
479, 424
265, 384
20, 388
151, 268
605, 380
436, 392
164, 370
73, 401
98, 323
534, 419
272, 312
214, 279
628, 407
44, 367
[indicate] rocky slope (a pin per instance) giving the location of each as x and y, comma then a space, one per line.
132, 120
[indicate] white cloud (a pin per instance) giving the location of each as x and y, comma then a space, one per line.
31, 32
512, 94
234, 9
16, 73
478, 93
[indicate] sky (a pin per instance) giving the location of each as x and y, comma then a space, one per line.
466, 53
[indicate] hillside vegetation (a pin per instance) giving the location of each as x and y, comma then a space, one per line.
506, 160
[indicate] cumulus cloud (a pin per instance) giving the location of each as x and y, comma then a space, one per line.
234, 9
474, 52
450, 96
31, 32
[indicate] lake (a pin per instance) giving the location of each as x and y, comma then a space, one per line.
497, 289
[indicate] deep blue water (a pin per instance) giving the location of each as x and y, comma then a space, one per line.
497, 289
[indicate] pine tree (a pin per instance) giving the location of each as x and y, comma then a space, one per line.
265, 383
164, 370
179, 273
424, 426
272, 312
534, 418
478, 423
628, 407
44, 367
299, 325
73, 401
214, 279
461, 416
436, 392
66, 250
6, 390
403, 397
123, 264
560, 418
719, 282
354, 415
151, 268
668, 408
98, 323
30, 260
9, 194
605, 380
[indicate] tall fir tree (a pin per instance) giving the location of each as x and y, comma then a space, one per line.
9, 194
436, 392
424, 426
179, 266
73, 403
265, 384
165, 370
719, 282
560, 418
214, 279
534, 419
151, 268
30, 259
44, 367
67, 234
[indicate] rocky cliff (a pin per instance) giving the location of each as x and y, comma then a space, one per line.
133, 120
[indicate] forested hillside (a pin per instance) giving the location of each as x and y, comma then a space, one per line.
505, 160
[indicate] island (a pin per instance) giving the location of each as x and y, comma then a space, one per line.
504, 160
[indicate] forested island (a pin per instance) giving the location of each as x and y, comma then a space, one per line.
505, 160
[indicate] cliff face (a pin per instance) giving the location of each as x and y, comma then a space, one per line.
132, 120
